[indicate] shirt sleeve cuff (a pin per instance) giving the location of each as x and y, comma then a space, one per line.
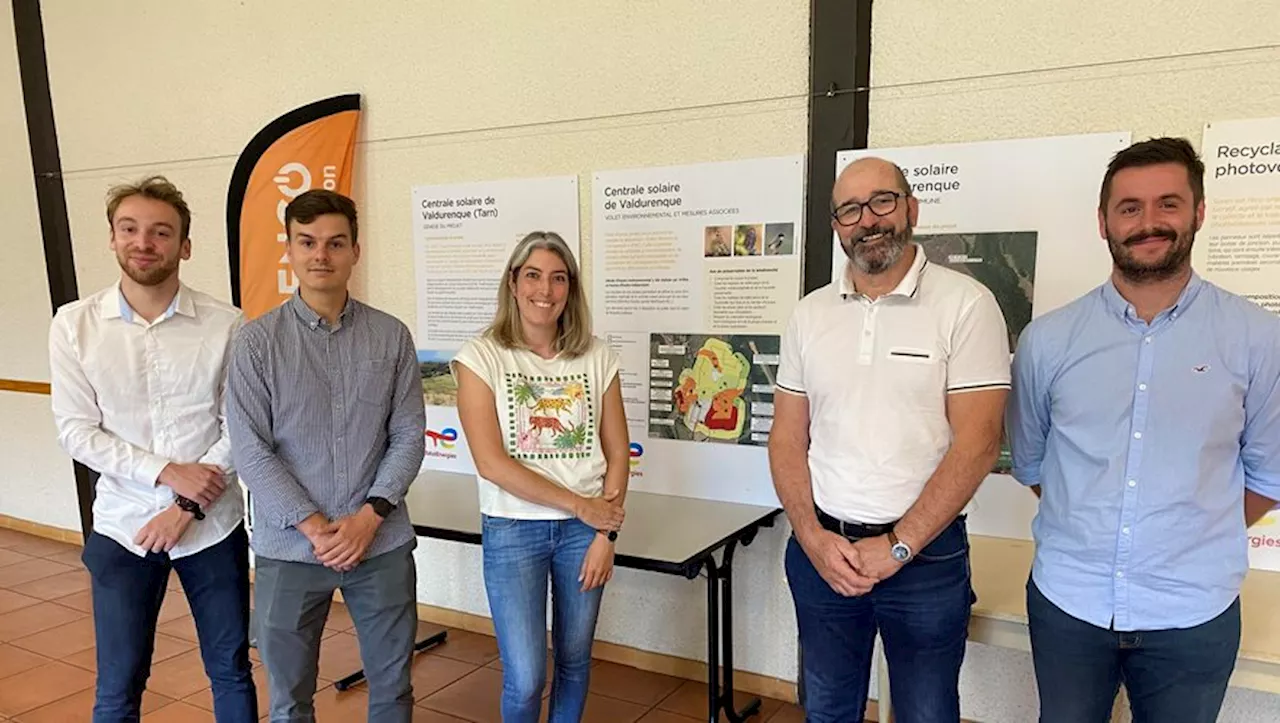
1027, 476
1269, 488
296, 515
149, 469
388, 493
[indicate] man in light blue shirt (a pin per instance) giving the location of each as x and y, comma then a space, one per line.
1146, 415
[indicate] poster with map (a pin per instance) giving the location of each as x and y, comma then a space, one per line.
712, 388
695, 272
1004, 262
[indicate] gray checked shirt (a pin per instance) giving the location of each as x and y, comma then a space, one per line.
322, 417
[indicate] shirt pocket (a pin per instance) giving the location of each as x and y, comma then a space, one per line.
912, 355
373, 381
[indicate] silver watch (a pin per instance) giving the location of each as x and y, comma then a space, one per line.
900, 550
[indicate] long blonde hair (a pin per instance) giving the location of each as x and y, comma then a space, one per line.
573, 338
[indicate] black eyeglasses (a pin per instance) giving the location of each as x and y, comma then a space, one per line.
881, 204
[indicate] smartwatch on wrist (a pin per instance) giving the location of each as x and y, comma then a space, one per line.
611, 534
189, 506
380, 506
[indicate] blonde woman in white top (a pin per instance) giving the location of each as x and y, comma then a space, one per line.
541, 407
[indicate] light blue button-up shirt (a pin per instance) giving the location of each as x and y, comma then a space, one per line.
1143, 439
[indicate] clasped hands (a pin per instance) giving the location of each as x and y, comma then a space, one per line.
201, 483
850, 568
340, 544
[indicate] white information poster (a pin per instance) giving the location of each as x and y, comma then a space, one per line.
462, 236
1239, 246
1021, 217
695, 272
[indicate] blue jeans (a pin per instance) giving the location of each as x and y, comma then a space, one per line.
519, 556
922, 614
127, 592
1171, 676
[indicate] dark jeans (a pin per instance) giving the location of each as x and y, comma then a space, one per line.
922, 615
1171, 676
127, 592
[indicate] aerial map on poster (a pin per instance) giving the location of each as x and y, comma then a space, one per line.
712, 388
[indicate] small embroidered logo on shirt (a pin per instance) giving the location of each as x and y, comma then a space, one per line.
1200, 368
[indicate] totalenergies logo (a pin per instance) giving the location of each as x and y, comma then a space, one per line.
443, 438
1262, 539
637, 452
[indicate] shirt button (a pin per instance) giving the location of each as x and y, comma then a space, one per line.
1142, 387
1137, 435
1147, 340
1125, 530
1119, 573
1133, 483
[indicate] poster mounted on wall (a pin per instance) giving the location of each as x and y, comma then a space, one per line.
462, 237
695, 271
1238, 248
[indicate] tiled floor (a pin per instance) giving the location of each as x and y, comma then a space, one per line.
47, 661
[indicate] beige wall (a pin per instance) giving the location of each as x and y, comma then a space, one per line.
465, 91
36, 482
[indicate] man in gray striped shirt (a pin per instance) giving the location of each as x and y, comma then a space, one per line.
326, 420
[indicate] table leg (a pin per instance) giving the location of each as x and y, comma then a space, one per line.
713, 640
726, 641
424, 644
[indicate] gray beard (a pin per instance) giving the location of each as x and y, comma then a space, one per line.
879, 260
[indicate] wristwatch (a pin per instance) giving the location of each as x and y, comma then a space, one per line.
611, 534
380, 506
189, 506
900, 550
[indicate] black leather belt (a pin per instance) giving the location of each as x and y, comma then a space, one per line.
855, 530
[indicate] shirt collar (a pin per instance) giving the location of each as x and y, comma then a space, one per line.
1119, 306
308, 315
906, 288
181, 304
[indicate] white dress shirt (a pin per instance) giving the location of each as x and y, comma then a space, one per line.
129, 397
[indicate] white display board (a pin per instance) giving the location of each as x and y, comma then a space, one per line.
695, 272
1021, 217
1239, 246
462, 236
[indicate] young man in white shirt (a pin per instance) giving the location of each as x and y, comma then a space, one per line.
891, 390
138, 379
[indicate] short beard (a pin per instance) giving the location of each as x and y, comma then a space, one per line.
872, 261
153, 276
1167, 268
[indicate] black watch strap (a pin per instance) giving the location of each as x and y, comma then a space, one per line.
190, 506
381, 507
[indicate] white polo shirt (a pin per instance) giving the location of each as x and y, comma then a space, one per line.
877, 375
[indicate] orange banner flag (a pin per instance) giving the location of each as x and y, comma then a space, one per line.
309, 147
